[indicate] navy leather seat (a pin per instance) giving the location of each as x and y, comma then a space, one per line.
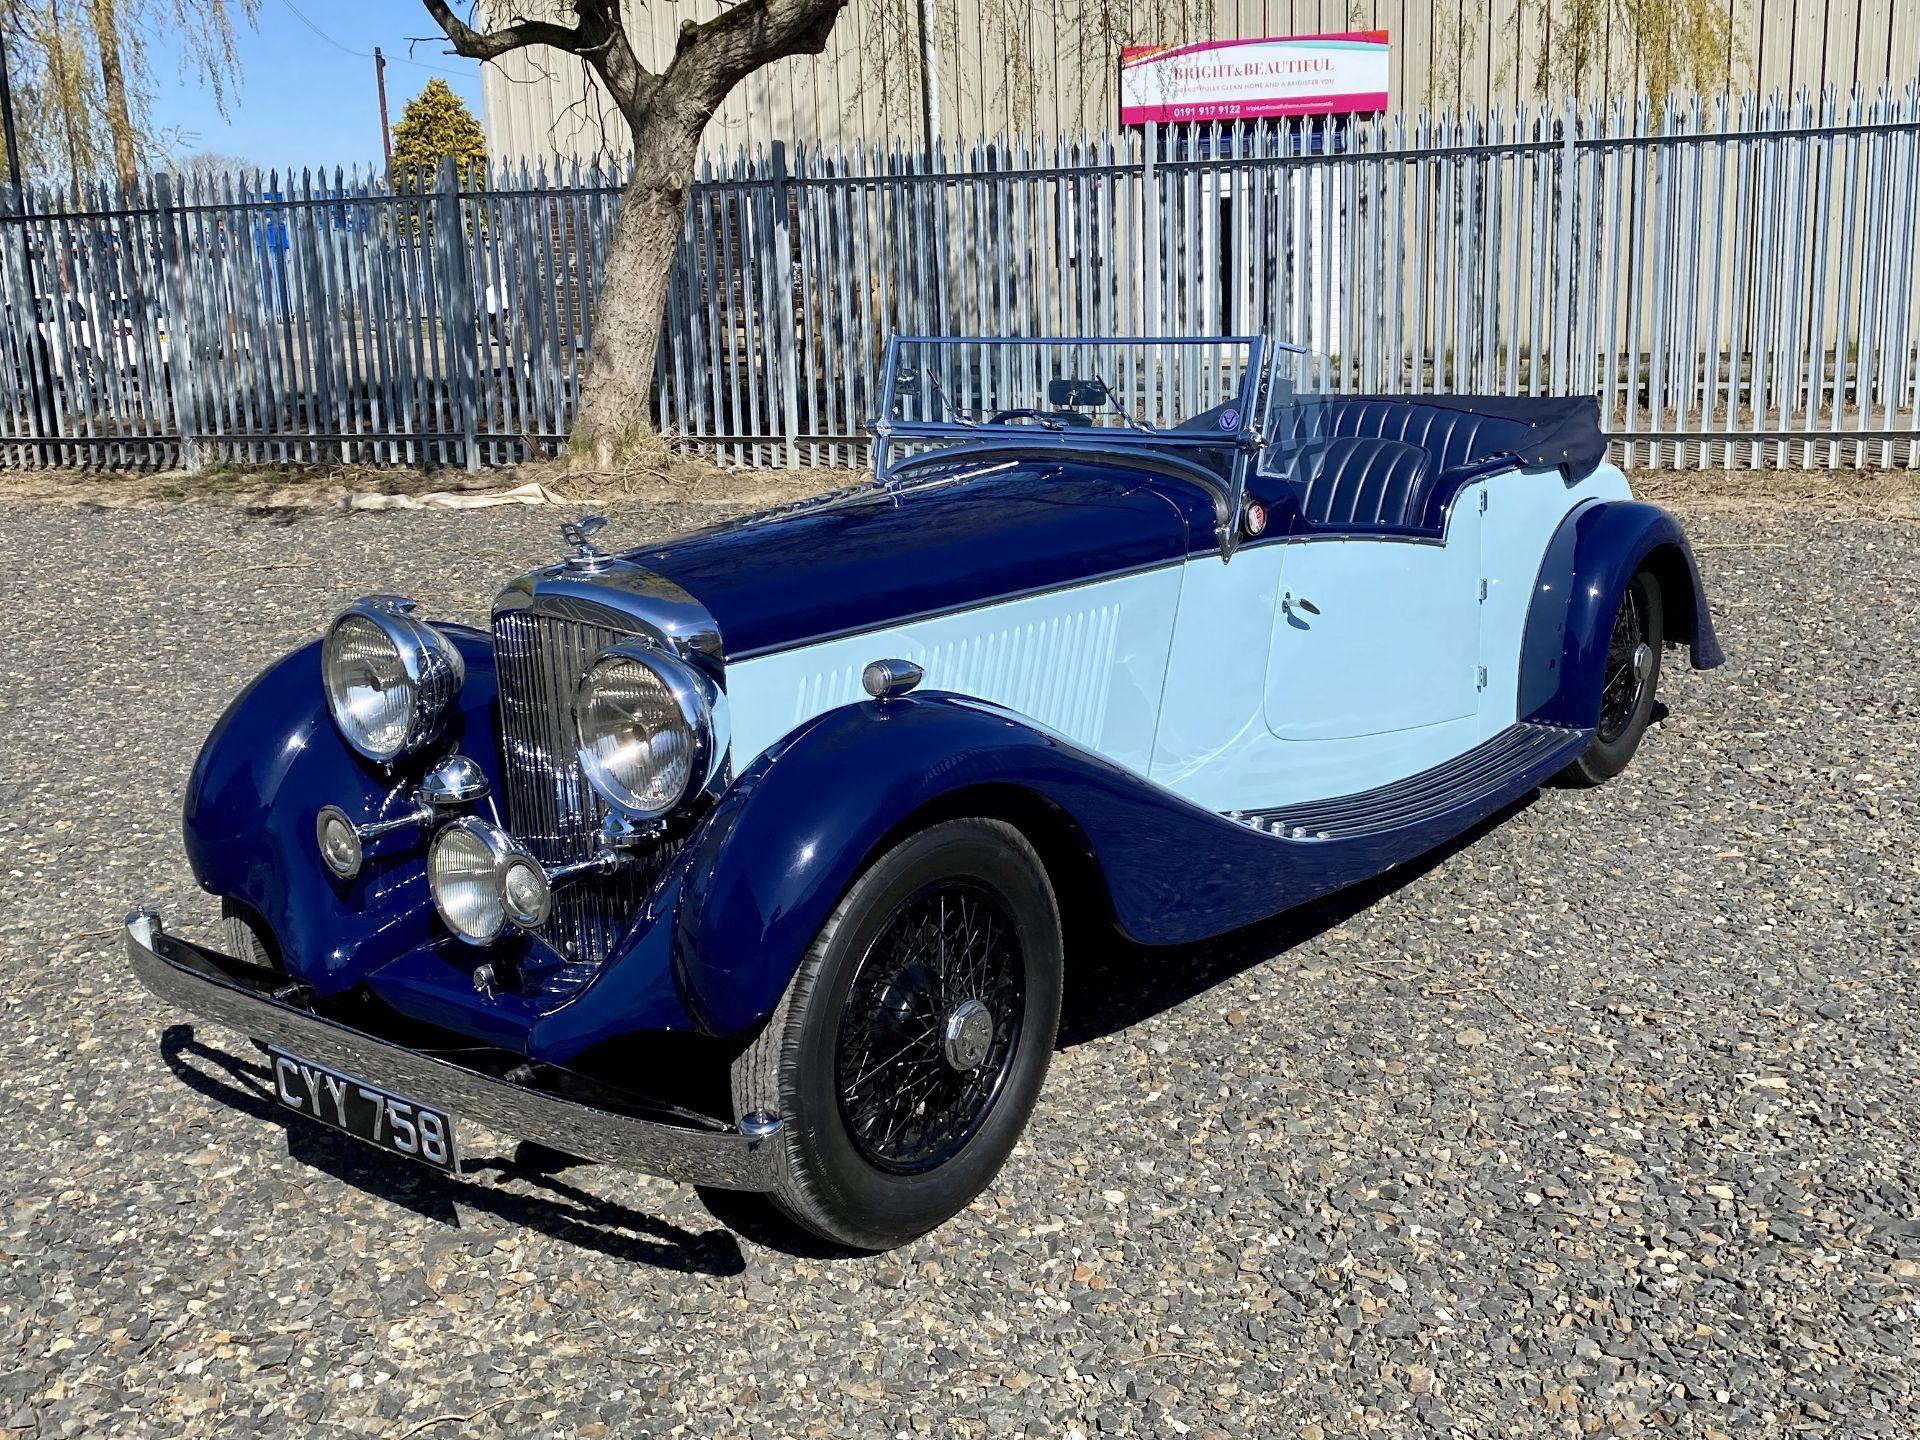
1356, 483
1454, 437
1366, 462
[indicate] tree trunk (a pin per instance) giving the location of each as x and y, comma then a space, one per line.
616, 394
666, 113
113, 81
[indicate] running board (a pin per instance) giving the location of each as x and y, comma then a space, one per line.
1467, 781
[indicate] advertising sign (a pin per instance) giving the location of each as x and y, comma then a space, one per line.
1342, 74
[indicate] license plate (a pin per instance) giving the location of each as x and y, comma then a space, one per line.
405, 1127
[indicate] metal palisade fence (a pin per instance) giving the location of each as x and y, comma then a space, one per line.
1735, 279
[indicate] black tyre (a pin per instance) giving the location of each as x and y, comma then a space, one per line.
247, 938
910, 1047
1632, 673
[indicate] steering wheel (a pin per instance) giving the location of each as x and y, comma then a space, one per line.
1001, 417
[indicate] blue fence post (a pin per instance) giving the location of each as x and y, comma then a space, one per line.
172, 270
783, 199
460, 307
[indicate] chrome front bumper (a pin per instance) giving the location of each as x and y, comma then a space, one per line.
237, 995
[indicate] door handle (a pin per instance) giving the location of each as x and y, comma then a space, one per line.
1287, 603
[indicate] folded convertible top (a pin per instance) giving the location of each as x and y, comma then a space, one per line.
1464, 430
1560, 429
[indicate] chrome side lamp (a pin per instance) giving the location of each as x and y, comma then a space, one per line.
450, 784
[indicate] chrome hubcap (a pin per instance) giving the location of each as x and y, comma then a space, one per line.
967, 1035
1642, 661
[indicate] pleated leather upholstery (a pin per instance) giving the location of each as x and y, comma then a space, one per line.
1358, 483
1366, 462
1453, 437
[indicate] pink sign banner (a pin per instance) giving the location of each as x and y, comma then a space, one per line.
1343, 74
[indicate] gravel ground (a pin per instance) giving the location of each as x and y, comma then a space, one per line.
1600, 1124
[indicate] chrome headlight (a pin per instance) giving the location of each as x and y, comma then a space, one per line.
482, 880
390, 678
652, 729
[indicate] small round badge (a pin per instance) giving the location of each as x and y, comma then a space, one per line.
1230, 419
1254, 518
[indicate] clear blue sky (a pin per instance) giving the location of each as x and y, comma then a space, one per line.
306, 95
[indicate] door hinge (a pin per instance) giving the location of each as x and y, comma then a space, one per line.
1483, 500
1483, 589
1483, 677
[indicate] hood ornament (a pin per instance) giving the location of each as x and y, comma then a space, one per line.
579, 534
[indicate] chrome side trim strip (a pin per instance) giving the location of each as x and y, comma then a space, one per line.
217, 987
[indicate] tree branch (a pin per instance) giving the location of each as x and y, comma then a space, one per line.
492, 44
711, 58
599, 38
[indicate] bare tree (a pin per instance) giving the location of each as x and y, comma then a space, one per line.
1653, 47
84, 76
666, 113
55, 92
208, 164
1019, 66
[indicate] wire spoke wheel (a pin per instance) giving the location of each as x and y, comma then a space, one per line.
1628, 673
912, 1042
932, 1019
1629, 666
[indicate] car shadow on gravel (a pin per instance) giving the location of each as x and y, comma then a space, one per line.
537, 1199
1114, 983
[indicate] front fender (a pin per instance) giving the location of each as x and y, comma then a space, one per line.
271, 762
1589, 561
794, 832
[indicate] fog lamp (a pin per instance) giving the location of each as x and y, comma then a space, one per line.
526, 892
483, 880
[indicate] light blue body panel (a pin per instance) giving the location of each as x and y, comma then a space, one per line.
1303, 726
1213, 679
1376, 633
1088, 662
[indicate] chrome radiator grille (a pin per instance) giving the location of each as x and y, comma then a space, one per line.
550, 807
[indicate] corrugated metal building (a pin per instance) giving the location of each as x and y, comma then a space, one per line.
1050, 66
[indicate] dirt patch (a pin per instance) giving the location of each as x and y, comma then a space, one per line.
1836, 494
680, 478
1831, 494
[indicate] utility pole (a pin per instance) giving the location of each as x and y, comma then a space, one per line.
380, 79
26, 328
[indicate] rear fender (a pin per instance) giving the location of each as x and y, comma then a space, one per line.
1589, 561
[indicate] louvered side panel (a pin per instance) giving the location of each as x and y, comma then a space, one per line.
1057, 670
1088, 662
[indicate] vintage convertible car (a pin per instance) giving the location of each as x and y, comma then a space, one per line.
752, 858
